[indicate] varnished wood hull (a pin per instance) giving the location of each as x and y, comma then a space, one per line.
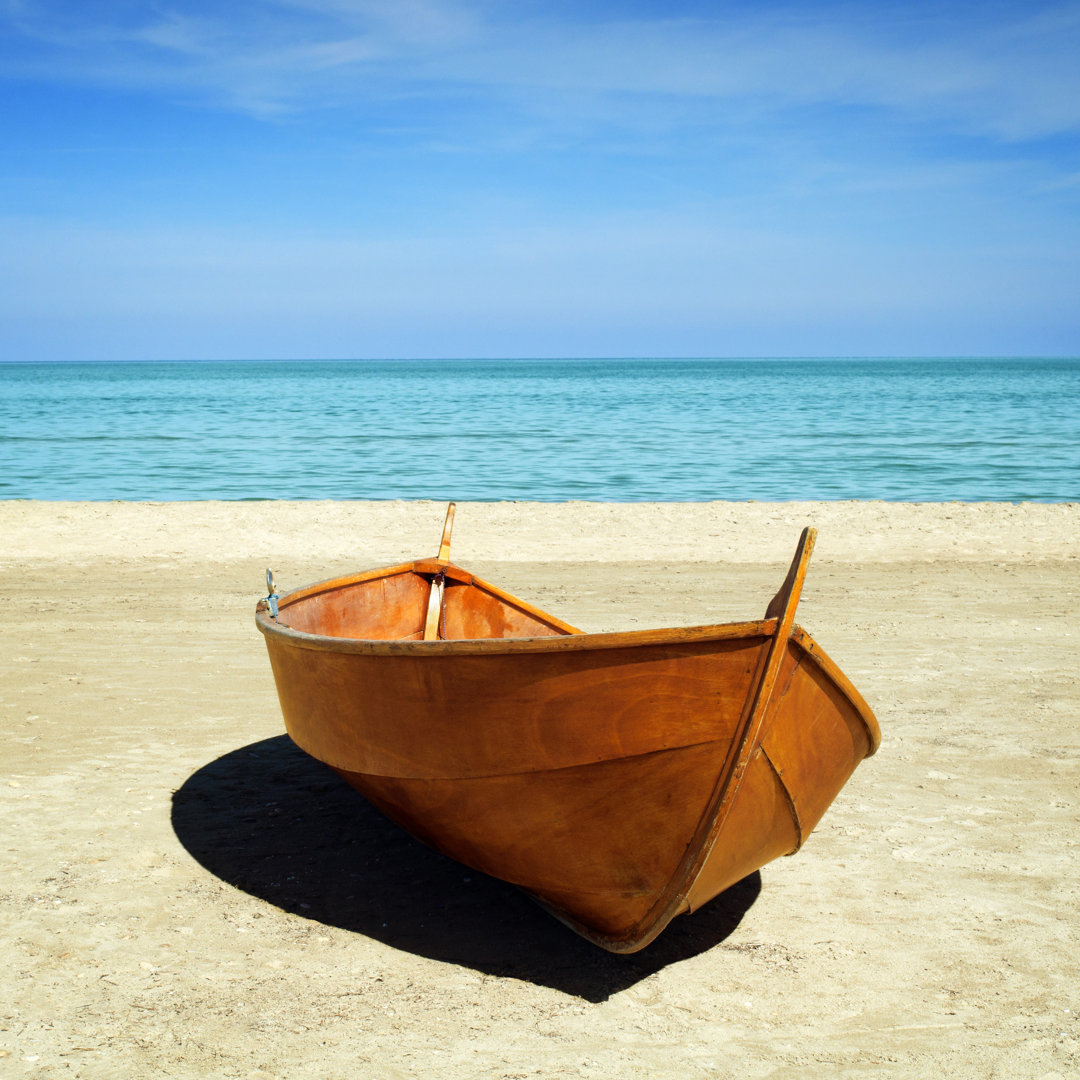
620, 779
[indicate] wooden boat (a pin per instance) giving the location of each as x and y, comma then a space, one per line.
619, 778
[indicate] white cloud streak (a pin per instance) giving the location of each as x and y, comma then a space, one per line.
1011, 76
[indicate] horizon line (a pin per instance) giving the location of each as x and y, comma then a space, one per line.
567, 357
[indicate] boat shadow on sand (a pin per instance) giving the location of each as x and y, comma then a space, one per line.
270, 820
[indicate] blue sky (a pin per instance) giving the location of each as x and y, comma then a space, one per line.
350, 178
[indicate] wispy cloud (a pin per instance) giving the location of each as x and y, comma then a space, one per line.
258, 56
1007, 72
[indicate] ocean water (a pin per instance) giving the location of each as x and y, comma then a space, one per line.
614, 430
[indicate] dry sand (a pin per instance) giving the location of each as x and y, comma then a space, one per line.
184, 894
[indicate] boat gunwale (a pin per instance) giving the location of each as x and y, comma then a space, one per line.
616, 640
573, 640
676, 635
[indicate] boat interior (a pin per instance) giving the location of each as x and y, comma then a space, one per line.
427, 600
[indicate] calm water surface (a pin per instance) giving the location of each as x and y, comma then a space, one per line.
619, 430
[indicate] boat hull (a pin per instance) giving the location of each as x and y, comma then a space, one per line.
620, 779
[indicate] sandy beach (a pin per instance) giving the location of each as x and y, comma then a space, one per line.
187, 895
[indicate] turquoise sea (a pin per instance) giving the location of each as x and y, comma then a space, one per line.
616, 430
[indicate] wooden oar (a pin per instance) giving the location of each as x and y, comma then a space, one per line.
444, 547
435, 597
